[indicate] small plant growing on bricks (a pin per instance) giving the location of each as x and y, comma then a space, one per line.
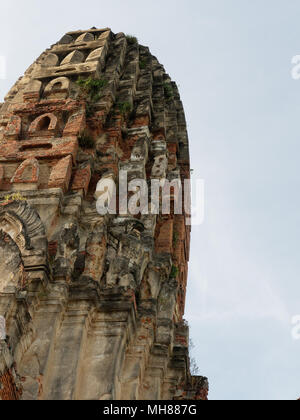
92, 87
91, 90
14, 197
143, 63
124, 108
85, 141
168, 91
174, 272
131, 40
175, 238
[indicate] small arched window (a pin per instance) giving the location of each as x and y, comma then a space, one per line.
44, 124
57, 88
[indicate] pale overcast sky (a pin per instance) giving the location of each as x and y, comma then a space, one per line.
232, 61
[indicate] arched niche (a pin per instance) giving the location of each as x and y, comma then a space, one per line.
75, 57
45, 125
86, 37
12, 225
23, 225
27, 175
32, 91
95, 54
58, 88
66, 39
51, 60
13, 128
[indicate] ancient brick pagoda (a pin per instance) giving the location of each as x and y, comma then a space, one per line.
91, 306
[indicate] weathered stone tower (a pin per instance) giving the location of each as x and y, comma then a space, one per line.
92, 305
